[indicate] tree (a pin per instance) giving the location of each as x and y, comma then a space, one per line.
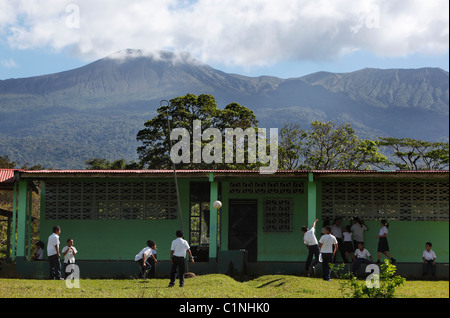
6, 163
290, 146
103, 164
182, 112
327, 146
413, 154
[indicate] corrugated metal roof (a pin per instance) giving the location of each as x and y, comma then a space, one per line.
55, 172
7, 175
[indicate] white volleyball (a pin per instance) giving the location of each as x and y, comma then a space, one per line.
217, 205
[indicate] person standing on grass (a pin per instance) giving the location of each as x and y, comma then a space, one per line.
152, 260
358, 227
336, 231
53, 253
348, 245
328, 245
383, 245
310, 240
69, 253
142, 259
178, 251
429, 261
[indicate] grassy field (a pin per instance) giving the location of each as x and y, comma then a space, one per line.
205, 286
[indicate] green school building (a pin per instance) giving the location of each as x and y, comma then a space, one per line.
110, 214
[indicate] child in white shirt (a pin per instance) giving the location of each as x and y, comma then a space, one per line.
361, 255
69, 253
348, 245
429, 261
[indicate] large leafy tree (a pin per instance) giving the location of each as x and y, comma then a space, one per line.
327, 146
181, 113
291, 146
413, 154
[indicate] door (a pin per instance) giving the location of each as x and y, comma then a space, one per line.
243, 220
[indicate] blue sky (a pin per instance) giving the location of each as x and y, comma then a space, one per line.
284, 38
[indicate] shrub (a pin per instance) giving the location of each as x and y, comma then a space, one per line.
376, 285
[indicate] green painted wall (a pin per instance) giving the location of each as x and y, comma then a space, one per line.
118, 239
406, 238
281, 246
123, 239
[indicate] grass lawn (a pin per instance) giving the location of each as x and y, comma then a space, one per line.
204, 286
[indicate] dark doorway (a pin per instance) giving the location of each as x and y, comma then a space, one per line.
199, 220
243, 220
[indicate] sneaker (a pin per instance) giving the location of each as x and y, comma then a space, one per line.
171, 285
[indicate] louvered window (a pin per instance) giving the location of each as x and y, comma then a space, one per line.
110, 200
391, 200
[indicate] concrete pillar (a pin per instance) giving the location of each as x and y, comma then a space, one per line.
214, 194
22, 220
312, 199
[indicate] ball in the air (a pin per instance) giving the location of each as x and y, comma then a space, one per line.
217, 205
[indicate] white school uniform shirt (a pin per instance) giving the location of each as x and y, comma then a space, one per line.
69, 258
336, 231
327, 240
52, 241
383, 230
310, 238
40, 253
146, 251
362, 254
347, 236
429, 256
358, 231
179, 247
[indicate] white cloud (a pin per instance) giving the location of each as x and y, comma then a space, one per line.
8, 63
235, 32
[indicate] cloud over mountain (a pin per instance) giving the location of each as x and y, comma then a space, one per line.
235, 32
62, 119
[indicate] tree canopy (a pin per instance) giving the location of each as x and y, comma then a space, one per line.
181, 112
327, 146
413, 154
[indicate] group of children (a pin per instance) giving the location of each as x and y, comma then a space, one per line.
54, 257
146, 258
334, 239
331, 239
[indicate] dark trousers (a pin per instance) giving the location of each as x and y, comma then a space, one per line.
143, 269
327, 258
178, 262
55, 267
428, 267
152, 271
67, 273
340, 249
358, 263
312, 250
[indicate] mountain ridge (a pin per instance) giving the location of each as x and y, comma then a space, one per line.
96, 110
